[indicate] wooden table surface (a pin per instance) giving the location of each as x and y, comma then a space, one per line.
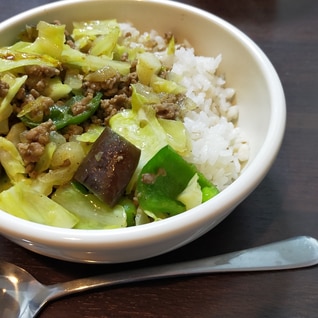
284, 205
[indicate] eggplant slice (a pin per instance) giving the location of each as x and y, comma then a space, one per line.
108, 167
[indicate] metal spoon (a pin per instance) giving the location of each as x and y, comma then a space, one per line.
21, 295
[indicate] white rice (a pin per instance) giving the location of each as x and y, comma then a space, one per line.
218, 147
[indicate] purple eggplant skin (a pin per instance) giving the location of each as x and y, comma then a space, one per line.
108, 167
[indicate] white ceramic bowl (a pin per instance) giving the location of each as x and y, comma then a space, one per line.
262, 116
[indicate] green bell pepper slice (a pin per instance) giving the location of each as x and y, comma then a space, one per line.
163, 178
62, 116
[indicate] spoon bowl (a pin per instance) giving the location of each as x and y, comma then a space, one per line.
21, 295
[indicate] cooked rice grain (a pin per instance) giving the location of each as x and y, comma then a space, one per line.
219, 148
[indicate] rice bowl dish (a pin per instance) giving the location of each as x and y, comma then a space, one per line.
234, 138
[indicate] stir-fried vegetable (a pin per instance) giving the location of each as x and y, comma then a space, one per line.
23, 201
108, 167
168, 185
84, 143
90, 212
61, 115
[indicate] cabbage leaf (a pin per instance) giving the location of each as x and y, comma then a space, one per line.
14, 84
11, 160
91, 212
50, 40
24, 202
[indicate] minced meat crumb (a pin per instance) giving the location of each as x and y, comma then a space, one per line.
81, 106
4, 89
33, 142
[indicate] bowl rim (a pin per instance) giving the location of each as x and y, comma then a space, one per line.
113, 237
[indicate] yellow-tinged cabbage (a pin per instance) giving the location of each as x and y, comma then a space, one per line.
71, 152
45, 181
160, 84
141, 217
105, 44
147, 66
171, 46
36, 107
14, 133
50, 40
191, 196
56, 89
131, 52
22, 201
90, 63
101, 75
93, 213
73, 79
11, 60
91, 135
145, 133
176, 135
98, 62
62, 165
11, 160
46, 158
85, 33
15, 84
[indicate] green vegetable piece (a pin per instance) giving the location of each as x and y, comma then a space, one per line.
163, 179
15, 84
91, 212
62, 116
105, 44
11, 60
108, 167
11, 160
50, 40
147, 66
90, 63
130, 210
163, 85
22, 201
56, 89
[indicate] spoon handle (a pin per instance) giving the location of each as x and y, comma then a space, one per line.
301, 251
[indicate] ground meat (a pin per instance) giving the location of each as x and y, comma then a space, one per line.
72, 130
33, 142
115, 85
40, 109
168, 108
81, 106
40, 71
4, 89
38, 77
150, 178
31, 152
109, 107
